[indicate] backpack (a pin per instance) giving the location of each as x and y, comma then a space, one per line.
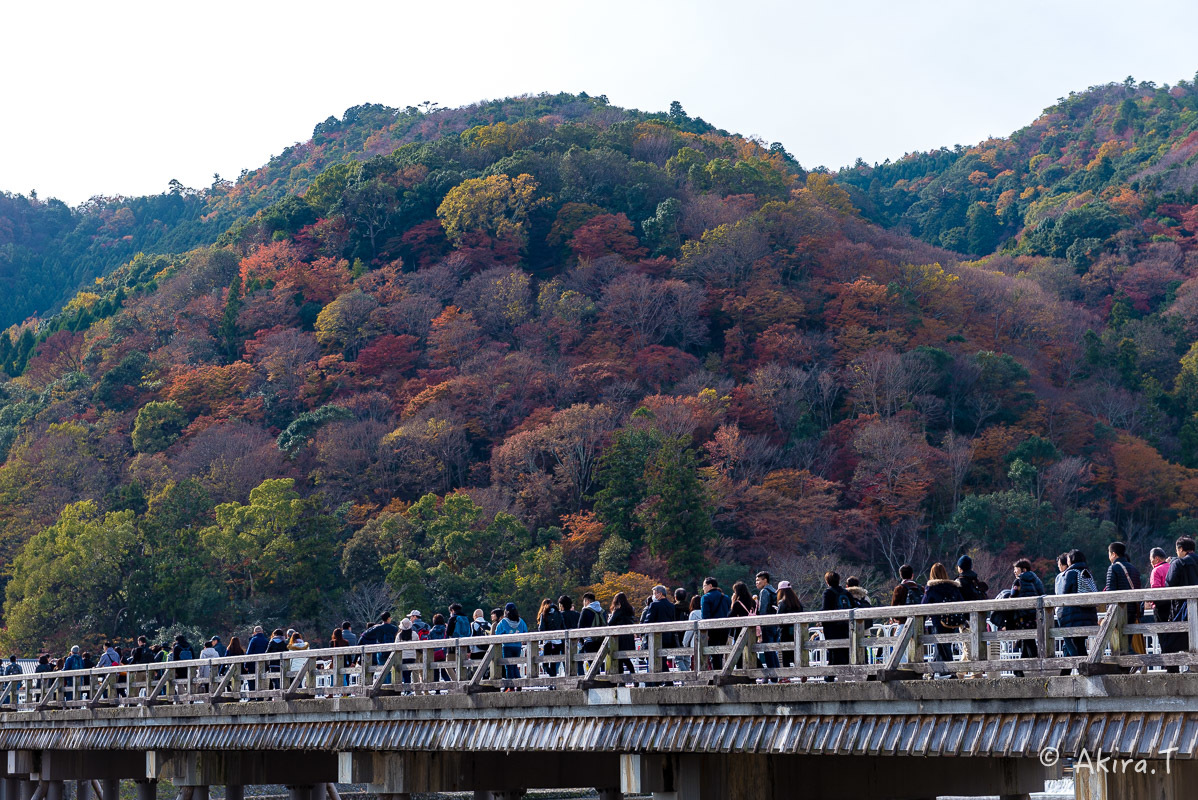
597, 621
185, 654
914, 593
460, 632
479, 628
843, 599
422, 633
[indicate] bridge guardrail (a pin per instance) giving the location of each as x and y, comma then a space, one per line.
882, 643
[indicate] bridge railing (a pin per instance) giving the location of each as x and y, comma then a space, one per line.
877, 643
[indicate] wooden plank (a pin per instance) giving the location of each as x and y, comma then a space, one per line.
590, 679
376, 688
890, 666
294, 688
745, 638
152, 696
475, 684
215, 696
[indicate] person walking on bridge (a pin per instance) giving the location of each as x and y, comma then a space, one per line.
715, 605
767, 603
1123, 576
662, 610
1159, 570
1078, 580
550, 619
1182, 572
511, 623
942, 589
836, 599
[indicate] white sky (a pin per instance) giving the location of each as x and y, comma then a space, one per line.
120, 97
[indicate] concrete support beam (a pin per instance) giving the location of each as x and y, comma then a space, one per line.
82, 765
1136, 780
110, 788
757, 777
401, 773
233, 768
55, 790
83, 790
27, 788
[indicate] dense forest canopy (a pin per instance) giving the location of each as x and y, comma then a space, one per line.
528, 346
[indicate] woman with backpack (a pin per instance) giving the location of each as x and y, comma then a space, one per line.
479, 627
550, 619
440, 630
942, 589
836, 599
511, 623
1077, 580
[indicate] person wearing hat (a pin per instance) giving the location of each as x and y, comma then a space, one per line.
417, 623
407, 634
218, 646
971, 587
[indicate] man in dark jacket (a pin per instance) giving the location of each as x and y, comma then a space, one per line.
1077, 580
570, 617
662, 610
767, 603
1027, 584
258, 642
1182, 572
1123, 576
714, 604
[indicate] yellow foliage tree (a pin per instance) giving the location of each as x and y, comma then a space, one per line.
633, 584
497, 206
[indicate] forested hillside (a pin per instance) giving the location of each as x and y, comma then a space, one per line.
500, 352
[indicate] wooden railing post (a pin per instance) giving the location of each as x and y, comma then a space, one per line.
856, 639
1192, 618
802, 654
654, 648
1044, 620
974, 644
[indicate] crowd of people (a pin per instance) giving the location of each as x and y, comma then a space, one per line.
662, 606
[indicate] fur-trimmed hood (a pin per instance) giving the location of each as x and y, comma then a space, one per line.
857, 592
942, 582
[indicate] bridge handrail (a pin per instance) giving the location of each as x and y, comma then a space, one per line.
874, 631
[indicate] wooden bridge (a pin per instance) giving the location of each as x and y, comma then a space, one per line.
406, 718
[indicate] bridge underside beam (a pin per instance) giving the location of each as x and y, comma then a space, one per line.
249, 768
1136, 780
84, 765
399, 773
757, 777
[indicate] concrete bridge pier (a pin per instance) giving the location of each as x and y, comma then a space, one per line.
147, 789
110, 788
12, 788
1134, 779
83, 790
55, 790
